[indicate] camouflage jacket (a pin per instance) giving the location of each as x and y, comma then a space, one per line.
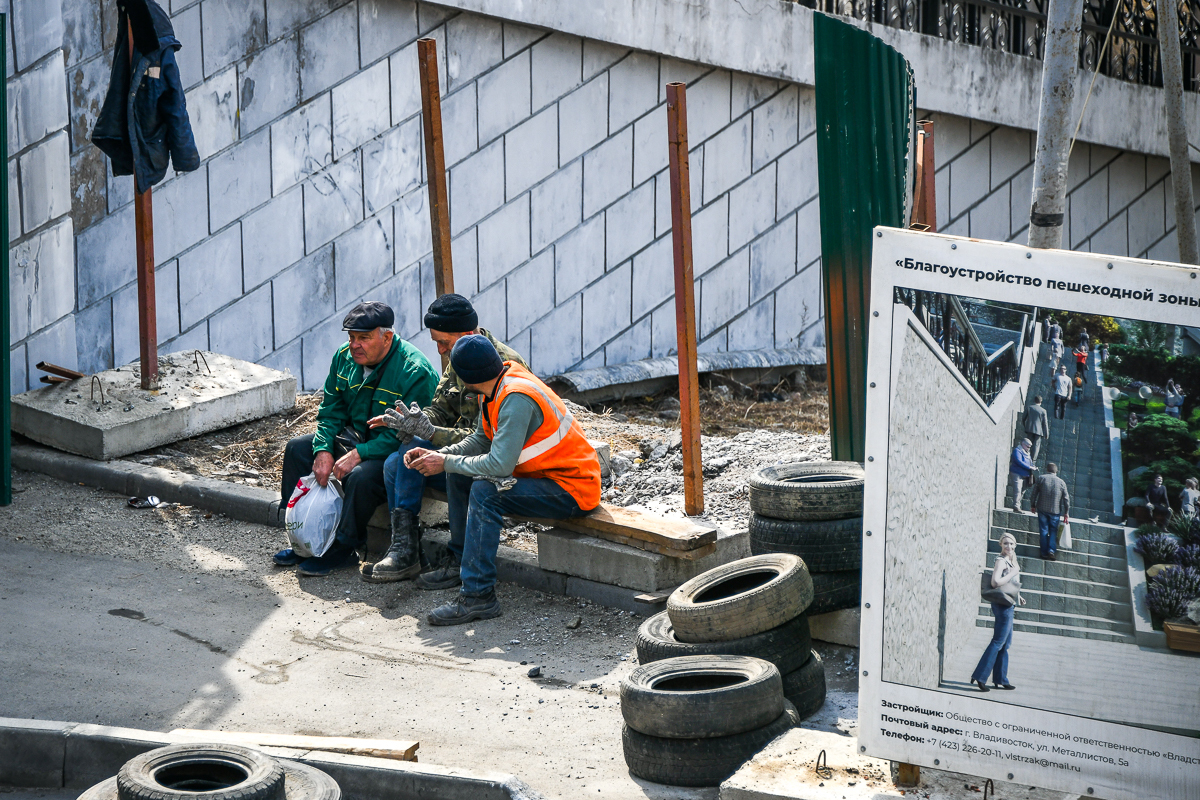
454, 411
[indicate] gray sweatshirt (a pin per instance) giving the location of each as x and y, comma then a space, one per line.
518, 419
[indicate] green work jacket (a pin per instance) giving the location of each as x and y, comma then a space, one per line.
454, 411
405, 375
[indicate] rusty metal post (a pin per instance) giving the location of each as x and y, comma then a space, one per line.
685, 302
908, 775
925, 201
143, 215
435, 166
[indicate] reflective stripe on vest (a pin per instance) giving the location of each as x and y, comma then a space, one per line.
532, 451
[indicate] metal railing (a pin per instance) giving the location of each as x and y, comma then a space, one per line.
1019, 27
946, 319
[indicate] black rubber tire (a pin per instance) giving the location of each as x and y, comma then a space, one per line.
186, 768
787, 647
835, 591
698, 762
825, 545
303, 782
808, 490
741, 598
699, 697
805, 687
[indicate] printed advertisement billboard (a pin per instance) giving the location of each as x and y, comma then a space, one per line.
1031, 527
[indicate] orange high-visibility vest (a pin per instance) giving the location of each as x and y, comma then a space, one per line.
557, 450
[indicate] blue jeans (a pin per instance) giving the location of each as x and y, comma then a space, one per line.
1048, 531
405, 486
995, 657
476, 508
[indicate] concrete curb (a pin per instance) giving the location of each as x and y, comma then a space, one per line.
44, 754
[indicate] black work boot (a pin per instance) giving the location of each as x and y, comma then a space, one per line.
402, 560
466, 608
444, 576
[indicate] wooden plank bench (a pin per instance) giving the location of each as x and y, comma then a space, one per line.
375, 748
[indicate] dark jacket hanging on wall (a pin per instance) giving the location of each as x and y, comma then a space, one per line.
144, 120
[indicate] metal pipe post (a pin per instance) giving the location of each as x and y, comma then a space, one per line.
1060, 68
143, 215
435, 166
685, 298
1181, 165
5, 289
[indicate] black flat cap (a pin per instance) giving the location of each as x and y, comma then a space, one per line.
368, 316
451, 313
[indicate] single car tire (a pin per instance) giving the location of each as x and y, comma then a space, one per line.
787, 647
741, 598
220, 771
805, 688
301, 782
835, 591
699, 697
808, 490
698, 762
825, 545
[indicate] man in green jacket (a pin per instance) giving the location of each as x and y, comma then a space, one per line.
371, 372
450, 418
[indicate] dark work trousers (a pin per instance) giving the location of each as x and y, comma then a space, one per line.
363, 490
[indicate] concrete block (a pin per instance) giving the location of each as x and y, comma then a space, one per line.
520, 343
14, 195
1011, 153
1021, 192
333, 201
1126, 180
93, 338
598, 56
725, 292
328, 51
503, 97
210, 276
989, 219
654, 275
466, 262
269, 83
360, 109
662, 331
189, 341
213, 110
38, 103
708, 106
773, 259
301, 144
578, 258
556, 339
125, 337
776, 126
556, 66
951, 136
797, 170
607, 172
518, 37
88, 84
710, 232
287, 360
606, 305
476, 187
244, 329
460, 124
56, 344
362, 258
1166, 248
402, 292
81, 32
177, 225
530, 152
491, 304
273, 238
119, 188
32, 752
582, 119
376, 777
1113, 238
88, 201
1147, 219
392, 165
413, 237
531, 292
556, 205
747, 91
303, 295
504, 241
838, 627
190, 57
17, 372
106, 256
284, 16
383, 27
474, 45
239, 179
629, 224
602, 561
1088, 207
405, 82
632, 345
232, 30
632, 89
319, 345
37, 30
801, 297
752, 207
672, 70
650, 152
754, 330
969, 177
42, 279
726, 159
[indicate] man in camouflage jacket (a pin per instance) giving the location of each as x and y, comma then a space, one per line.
451, 416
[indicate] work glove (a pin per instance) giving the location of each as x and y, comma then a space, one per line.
408, 422
502, 484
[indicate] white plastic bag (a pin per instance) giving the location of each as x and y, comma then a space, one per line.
1064, 534
312, 515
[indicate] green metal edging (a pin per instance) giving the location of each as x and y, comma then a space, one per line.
5, 286
864, 109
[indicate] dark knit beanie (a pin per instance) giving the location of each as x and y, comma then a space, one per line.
451, 313
475, 359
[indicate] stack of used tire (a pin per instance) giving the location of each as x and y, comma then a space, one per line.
813, 510
725, 669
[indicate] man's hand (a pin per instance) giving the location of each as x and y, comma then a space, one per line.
346, 463
426, 462
322, 466
410, 421
412, 456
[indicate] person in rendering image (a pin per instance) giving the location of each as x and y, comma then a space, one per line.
1037, 425
1052, 502
1062, 392
1006, 577
1020, 469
